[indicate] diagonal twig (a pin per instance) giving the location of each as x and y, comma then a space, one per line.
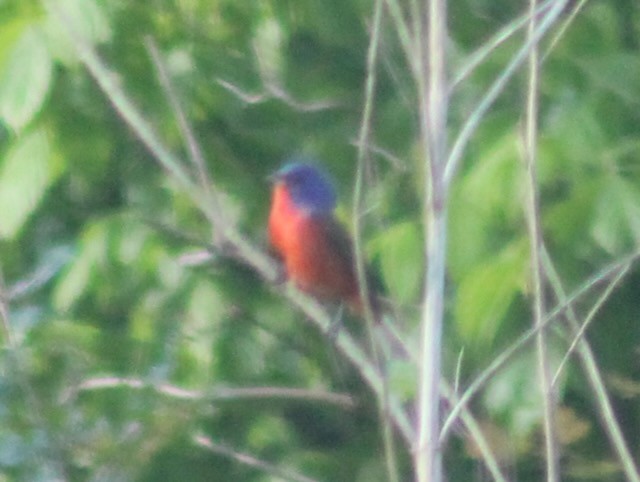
592, 372
551, 316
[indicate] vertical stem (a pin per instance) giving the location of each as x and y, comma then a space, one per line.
428, 456
433, 118
535, 236
363, 143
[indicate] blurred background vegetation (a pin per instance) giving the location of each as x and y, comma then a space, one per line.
124, 356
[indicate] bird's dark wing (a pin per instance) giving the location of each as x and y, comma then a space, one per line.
342, 243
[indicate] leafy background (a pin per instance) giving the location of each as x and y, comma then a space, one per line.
126, 349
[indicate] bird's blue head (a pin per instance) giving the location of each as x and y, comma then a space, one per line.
308, 186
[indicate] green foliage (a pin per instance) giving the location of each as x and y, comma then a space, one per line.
26, 75
29, 168
513, 396
400, 249
486, 293
616, 226
129, 331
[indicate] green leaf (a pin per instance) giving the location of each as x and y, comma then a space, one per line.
25, 79
568, 148
514, 392
82, 271
401, 256
267, 431
485, 294
25, 174
11, 29
268, 48
616, 72
566, 222
202, 317
484, 205
77, 336
85, 19
616, 226
495, 180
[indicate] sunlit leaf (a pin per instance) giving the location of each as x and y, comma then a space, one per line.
268, 48
11, 29
26, 172
495, 179
484, 203
71, 21
81, 271
25, 79
485, 294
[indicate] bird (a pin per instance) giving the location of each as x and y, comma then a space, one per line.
315, 248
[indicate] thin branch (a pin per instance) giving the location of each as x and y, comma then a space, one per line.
565, 26
473, 121
385, 154
391, 463
449, 394
193, 147
363, 140
216, 393
488, 47
552, 455
39, 277
476, 433
250, 460
274, 91
592, 372
501, 360
404, 33
579, 335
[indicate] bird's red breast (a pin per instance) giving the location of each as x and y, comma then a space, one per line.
314, 248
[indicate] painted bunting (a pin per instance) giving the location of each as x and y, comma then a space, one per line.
315, 248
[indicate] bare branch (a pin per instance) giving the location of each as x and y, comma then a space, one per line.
534, 227
274, 91
216, 393
250, 460
551, 316
593, 375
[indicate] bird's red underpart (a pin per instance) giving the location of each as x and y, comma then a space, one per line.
315, 249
